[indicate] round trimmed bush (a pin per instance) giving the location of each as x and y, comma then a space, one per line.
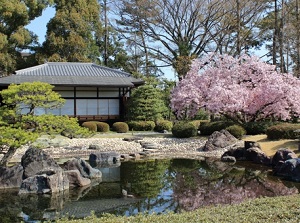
163, 125
236, 130
196, 123
208, 128
102, 127
283, 131
120, 127
256, 128
141, 125
184, 130
90, 125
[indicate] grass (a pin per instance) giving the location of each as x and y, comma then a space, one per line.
271, 146
277, 209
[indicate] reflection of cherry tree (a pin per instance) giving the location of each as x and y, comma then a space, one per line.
230, 186
244, 89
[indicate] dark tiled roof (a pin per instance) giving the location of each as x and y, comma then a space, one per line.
74, 74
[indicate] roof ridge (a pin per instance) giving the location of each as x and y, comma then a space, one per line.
65, 63
112, 69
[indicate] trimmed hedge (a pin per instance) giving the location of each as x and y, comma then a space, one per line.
92, 126
163, 125
283, 131
256, 128
207, 128
120, 127
236, 130
102, 127
184, 130
141, 125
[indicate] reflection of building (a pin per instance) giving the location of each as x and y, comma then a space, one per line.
110, 174
92, 92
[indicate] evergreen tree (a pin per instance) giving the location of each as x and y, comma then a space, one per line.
71, 33
146, 104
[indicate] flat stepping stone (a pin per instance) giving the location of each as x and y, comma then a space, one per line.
125, 156
135, 156
152, 147
149, 145
132, 139
150, 150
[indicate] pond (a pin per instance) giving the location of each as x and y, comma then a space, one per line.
151, 186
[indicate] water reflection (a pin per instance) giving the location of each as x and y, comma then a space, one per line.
218, 183
154, 186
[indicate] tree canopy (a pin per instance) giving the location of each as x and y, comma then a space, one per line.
71, 33
26, 97
244, 89
14, 37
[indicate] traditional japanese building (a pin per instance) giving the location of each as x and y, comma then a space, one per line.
92, 92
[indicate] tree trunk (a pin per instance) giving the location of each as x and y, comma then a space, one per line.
7, 156
238, 20
275, 34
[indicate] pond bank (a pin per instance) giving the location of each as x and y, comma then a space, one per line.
158, 147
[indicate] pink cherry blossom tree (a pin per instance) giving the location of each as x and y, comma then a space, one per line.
244, 89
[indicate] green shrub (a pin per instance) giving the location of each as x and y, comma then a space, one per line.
120, 127
236, 130
102, 126
197, 123
163, 125
202, 115
207, 128
184, 130
283, 131
92, 126
256, 128
141, 125
54, 124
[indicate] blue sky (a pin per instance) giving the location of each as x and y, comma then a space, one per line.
39, 25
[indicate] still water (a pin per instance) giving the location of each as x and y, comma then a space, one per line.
152, 186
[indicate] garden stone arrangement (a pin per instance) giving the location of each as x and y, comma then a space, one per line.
39, 173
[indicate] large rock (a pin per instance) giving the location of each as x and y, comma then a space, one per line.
76, 180
219, 140
46, 141
256, 155
43, 173
237, 153
281, 156
109, 158
11, 177
83, 167
250, 152
290, 170
47, 181
36, 160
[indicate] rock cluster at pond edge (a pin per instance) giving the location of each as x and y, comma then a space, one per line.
39, 173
